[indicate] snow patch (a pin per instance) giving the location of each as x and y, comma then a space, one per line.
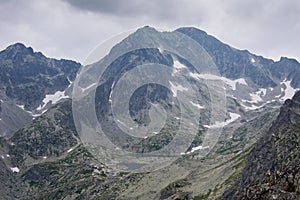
111, 91
252, 107
252, 60
271, 101
70, 150
255, 97
161, 50
31, 113
70, 82
53, 98
88, 87
198, 148
197, 105
36, 115
177, 67
21, 106
262, 92
15, 169
175, 88
233, 117
289, 91
231, 83
195, 149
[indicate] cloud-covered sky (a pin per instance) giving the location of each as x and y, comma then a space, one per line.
73, 28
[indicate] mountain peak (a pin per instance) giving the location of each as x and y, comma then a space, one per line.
191, 30
20, 50
145, 29
19, 47
286, 59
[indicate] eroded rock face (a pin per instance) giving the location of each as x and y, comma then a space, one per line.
273, 167
26, 78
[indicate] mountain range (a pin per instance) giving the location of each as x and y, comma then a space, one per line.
256, 157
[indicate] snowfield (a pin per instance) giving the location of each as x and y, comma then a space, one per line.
233, 117
15, 169
53, 98
231, 83
289, 91
175, 88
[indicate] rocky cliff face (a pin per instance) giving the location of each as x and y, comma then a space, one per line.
28, 82
234, 63
27, 76
272, 170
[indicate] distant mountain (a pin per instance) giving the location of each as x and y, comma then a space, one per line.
253, 82
29, 81
250, 79
272, 168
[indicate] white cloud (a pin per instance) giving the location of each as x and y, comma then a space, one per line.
71, 30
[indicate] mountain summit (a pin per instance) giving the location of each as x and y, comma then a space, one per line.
26, 78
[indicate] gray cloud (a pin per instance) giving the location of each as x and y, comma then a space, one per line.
124, 8
72, 28
110, 7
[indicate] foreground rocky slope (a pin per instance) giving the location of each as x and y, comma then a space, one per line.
272, 170
45, 160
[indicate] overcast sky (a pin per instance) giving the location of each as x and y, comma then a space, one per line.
73, 28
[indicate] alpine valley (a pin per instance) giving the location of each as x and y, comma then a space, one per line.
255, 157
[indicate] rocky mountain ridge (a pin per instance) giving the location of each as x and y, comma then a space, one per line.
40, 160
29, 82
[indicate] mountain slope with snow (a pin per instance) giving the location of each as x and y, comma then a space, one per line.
27, 81
48, 159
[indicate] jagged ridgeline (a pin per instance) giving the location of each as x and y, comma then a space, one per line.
29, 83
42, 156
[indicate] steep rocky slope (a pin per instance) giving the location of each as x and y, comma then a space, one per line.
29, 82
27, 76
272, 169
45, 160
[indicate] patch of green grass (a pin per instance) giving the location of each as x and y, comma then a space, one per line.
203, 196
